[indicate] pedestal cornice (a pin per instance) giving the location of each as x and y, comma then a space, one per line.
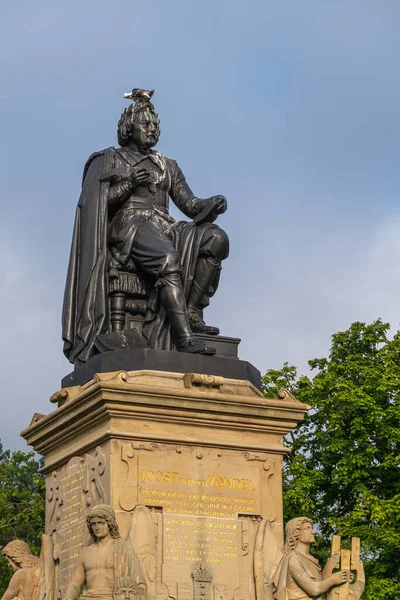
159, 406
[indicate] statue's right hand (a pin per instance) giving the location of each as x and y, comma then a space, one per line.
139, 176
340, 577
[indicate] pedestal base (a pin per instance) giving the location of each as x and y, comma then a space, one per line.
192, 460
157, 360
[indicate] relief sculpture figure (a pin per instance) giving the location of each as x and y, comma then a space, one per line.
129, 256
294, 574
34, 578
108, 569
299, 575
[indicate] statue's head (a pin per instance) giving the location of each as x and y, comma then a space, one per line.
139, 123
101, 520
19, 555
298, 529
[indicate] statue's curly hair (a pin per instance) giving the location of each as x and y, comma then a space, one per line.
128, 117
106, 512
292, 530
20, 553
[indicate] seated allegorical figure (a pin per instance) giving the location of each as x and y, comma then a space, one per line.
298, 575
25, 583
123, 224
34, 578
108, 569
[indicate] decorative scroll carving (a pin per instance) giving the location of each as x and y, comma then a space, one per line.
36, 417
128, 493
65, 395
285, 395
269, 469
245, 538
261, 456
55, 501
202, 381
120, 376
150, 446
95, 469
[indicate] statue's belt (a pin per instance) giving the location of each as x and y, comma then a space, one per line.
138, 202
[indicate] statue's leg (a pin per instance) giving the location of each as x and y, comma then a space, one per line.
213, 250
157, 257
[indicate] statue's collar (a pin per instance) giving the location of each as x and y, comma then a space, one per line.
132, 157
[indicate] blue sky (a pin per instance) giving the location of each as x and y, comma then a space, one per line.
290, 109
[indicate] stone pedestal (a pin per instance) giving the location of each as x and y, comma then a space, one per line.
203, 454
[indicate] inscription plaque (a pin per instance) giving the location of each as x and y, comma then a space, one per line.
71, 528
204, 505
212, 493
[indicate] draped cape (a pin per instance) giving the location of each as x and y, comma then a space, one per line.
85, 312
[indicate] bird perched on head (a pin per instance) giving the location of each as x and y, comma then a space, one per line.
137, 94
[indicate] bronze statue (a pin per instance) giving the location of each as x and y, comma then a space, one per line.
135, 275
108, 568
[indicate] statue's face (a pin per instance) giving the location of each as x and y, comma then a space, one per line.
307, 534
99, 527
146, 130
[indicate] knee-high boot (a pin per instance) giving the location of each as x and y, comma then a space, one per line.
173, 300
206, 272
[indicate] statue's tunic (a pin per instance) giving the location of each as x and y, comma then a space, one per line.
108, 218
130, 209
285, 586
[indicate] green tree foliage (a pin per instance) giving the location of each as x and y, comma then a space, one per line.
22, 502
344, 469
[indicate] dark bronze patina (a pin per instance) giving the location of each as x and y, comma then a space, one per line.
136, 277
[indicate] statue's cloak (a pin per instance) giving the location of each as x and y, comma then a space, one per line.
85, 310
311, 567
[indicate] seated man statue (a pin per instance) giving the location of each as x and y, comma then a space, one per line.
298, 575
108, 569
123, 224
24, 584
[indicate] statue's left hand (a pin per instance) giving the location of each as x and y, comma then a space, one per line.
221, 204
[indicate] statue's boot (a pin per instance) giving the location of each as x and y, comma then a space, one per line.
173, 300
207, 270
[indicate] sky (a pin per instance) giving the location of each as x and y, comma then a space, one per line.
290, 109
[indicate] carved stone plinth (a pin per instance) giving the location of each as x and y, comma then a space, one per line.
203, 453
